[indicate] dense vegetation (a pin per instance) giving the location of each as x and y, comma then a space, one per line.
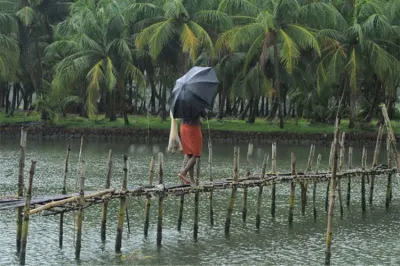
274, 58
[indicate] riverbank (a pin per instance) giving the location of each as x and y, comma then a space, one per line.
153, 130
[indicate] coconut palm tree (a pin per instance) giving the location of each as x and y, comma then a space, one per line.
97, 55
272, 29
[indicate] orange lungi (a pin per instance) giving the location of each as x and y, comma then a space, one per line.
192, 139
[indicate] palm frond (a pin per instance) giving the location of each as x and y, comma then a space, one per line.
245, 35
110, 75
289, 52
202, 36
189, 41
214, 18
235, 7
303, 38
27, 15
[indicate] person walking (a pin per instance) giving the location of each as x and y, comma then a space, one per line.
192, 143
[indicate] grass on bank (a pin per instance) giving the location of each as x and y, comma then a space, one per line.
143, 122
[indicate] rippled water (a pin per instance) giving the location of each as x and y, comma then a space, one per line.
358, 239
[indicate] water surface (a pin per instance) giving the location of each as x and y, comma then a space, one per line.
358, 239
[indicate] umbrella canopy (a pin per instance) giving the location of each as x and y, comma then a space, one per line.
194, 92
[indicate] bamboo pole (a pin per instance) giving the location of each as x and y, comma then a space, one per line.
211, 179
234, 189
161, 198
363, 164
73, 199
374, 163
25, 225
148, 198
260, 191
182, 200
103, 230
304, 184
350, 166
22, 146
331, 156
389, 182
292, 188
273, 190
392, 138
341, 159
79, 161
64, 191
315, 187
244, 208
79, 218
332, 193
122, 208
196, 201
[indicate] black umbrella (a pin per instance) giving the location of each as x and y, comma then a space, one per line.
194, 92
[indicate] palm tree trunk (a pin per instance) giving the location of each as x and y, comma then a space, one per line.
113, 115
14, 99
164, 103
266, 107
277, 81
222, 101
7, 98
245, 110
371, 112
352, 109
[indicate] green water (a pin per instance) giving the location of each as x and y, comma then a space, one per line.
358, 239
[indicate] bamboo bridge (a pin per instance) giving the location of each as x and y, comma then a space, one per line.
28, 205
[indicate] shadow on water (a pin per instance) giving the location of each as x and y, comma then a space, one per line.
369, 238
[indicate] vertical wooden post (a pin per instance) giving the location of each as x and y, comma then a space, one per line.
389, 182
315, 187
64, 191
25, 225
363, 163
211, 179
260, 191
148, 197
392, 137
79, 218
234, 189
161, 198
374, 163
332, 193
292, 187
103, 230
273, 190
304, 183
22, 146
122, 208
249, 155
341, 159
196, 201
182, 200
79, 162
331, 156
349, 178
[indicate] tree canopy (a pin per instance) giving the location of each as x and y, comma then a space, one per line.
275, 58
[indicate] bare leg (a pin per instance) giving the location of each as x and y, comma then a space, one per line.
190, 164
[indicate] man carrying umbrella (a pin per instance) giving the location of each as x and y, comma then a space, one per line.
192, 94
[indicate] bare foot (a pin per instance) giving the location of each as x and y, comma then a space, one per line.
184, 179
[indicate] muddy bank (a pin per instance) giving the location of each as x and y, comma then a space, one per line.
161, 135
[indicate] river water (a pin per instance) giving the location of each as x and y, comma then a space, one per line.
358, 239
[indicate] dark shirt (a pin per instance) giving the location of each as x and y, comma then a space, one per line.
193, 120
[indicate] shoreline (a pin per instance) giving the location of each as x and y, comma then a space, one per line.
162, 135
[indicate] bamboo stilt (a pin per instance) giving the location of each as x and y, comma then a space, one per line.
249, 155
148, 197
196, 201
374, 163
104, 209
349, 178
389, 182
292, 188
331, 156
122, 208
20, 193
182, 200
79, 162
332, 193
64, 191
315, 188
341, 159
79, 218
234, 189
260, 191
161, 198
273, 190
304, 184
25, 225
364, 159
211, 179
392, 137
